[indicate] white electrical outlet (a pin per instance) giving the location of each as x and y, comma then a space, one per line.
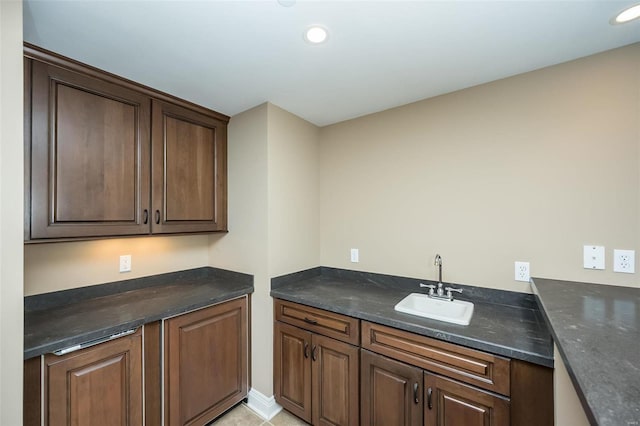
624, 261
355, 256
522, 271
125, 263
593, 257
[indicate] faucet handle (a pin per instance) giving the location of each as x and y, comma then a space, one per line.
450, 289
431, 288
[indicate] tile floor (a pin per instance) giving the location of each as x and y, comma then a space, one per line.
242, 415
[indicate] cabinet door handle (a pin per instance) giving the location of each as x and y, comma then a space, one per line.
313, 352
157, 217
310, 321
145, 216
306, 350
415, 393
429, 392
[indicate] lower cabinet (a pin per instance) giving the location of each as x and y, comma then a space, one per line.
448, 402
205, 363
391, 392
405, 379
204, 373
98, 386
316, 377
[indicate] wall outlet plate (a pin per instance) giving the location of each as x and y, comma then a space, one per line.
522, 271
624, 261
125, 263
355, 255
593, 257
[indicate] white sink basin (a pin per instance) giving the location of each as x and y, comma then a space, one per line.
455, 311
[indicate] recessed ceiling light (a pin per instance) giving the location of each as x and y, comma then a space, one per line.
316, 34
629, 14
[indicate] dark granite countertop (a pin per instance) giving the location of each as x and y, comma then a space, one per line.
504, 323
61, 319
597, 331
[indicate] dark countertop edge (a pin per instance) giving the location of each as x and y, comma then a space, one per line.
572, 375
428, 332
60, 298
104, 332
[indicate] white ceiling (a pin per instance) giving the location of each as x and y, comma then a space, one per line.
233, 55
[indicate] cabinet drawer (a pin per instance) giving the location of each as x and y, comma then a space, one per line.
478, 368
338, 326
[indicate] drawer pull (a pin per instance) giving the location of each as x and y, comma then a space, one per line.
157, 217
310, 321
145, 216
429, 392
306, 350
313, 352
415, 393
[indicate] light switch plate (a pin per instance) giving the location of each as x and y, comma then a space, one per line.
594, 257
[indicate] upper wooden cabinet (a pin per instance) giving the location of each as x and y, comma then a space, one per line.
189, 170
107, 157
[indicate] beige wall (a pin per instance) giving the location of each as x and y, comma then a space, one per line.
294, 240
568, 409
60, 266
527, 168
245, 247
11, 172
273, 214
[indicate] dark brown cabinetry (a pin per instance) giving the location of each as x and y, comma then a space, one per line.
188, 170
448, 402
89, 156
96, 167
405, 379
100, 385
206, 363
391, 392
316, 377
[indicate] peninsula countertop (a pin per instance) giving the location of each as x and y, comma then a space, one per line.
597, 331
504, 323
61, 319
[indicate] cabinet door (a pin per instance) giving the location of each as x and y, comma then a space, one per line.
448, 402
335, 390
98, 386
188, 170
206, 363
89, 156
292, 369
390, 392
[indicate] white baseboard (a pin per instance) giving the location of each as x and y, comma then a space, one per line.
265, 406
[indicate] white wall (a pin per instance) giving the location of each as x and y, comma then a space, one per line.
11, 196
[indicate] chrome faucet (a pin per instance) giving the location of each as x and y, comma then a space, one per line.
439, 291
438, 263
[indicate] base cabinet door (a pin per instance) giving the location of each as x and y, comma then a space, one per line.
448, 402
335, 382
316, 377
292, 369
206, 363
97, 386
391, 392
